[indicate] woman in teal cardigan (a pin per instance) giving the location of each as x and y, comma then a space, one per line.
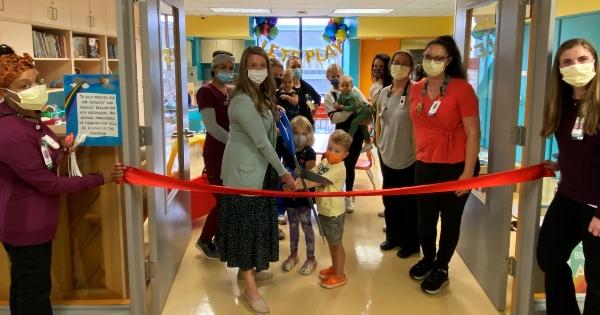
248, 237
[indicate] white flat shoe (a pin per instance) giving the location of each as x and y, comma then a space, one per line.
258, 306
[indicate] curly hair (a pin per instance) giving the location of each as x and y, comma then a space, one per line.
12, 65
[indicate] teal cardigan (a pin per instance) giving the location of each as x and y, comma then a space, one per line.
250, 146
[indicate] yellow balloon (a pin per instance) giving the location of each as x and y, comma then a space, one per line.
309, 55
341, 35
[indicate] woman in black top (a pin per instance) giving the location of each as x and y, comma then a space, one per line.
306, 92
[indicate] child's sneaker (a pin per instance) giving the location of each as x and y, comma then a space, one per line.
367, 147
333, 281
324, 273
349, 206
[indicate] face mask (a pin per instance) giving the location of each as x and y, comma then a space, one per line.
258, 76
335, 158
224, 76
335, 83
300, 141
399, 72
578, 75
34, 98
297, 73
433, 68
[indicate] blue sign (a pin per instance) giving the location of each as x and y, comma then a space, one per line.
93, 106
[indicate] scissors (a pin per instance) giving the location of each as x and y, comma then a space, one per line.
285, 130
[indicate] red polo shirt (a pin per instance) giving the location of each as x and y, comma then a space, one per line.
441, 138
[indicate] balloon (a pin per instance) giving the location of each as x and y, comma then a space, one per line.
273, 32
341, 35
272, 20
325, 37
260, 20
338, 20
330, 30
257, 30
265, 29
332, 38
343, 27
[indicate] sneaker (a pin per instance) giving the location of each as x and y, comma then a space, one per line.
421, 270
333, 281
367, 147
436, 281
324, 273
349, 207
281, 219
209, 249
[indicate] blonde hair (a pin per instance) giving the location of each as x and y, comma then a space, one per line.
303, 124
341, 138
333, 67
347, 79
263, 96
290, 59
561, 92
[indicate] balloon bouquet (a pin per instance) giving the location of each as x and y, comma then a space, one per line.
266, 26
336, 30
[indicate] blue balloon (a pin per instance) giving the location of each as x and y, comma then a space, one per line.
332, 38
260, 20
330, 30
343, 26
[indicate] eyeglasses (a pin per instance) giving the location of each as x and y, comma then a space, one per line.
436, 58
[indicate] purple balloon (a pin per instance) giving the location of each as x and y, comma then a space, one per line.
332, 38
272, 20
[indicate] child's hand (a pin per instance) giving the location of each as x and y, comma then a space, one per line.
338, 106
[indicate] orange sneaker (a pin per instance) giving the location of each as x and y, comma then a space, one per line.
333, 281
324, 273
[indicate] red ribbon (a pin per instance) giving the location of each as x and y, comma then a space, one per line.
135, 176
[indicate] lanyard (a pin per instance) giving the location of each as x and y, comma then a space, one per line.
437, 103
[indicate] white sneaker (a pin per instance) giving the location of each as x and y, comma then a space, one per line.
349, 207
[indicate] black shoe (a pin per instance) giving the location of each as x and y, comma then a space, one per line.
387, 245
405, 253
421, 270
209, 249
436, 281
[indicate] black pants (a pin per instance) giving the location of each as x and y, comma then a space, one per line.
401, 219
351, 159
30, 279
565, 225
432, 206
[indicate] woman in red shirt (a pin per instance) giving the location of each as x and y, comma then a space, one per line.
445, 115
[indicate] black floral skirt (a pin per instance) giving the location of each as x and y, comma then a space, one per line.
248, 236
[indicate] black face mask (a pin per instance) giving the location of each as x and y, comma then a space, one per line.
277, 82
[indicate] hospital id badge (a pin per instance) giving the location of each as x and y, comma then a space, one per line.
403, 101
577, 132
434, 107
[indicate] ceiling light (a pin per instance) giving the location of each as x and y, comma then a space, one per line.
362, 11
241, 10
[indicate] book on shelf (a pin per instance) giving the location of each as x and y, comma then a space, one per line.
93, 46
112, 50
48, 45
80, 47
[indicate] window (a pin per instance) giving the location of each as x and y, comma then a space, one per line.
305, 35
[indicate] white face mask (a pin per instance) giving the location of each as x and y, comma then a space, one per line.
258, 76
433, 68
578, 75
34, 98
399, 72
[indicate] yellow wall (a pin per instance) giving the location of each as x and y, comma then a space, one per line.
572, 7
234, 27
404, 27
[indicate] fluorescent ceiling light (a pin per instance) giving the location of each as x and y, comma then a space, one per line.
362, 11
241, 10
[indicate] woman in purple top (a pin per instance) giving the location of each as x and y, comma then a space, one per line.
572, 115
29, 187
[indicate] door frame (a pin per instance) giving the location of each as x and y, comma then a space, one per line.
486, 225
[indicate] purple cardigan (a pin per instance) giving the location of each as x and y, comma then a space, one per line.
29, 191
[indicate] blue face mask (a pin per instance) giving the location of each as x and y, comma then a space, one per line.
335, 82
297, 73
224, 76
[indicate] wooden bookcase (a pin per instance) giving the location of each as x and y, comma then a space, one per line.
89, 257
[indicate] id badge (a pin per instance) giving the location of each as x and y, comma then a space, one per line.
48, 140
577, 132
381, 111
403, 101
47, 157
434, 107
